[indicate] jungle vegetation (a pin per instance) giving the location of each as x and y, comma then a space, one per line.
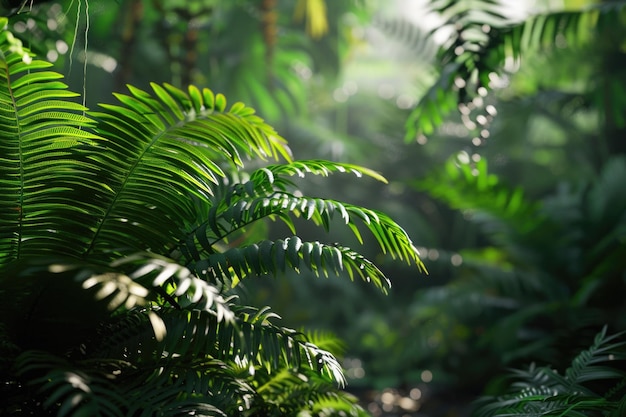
500, 134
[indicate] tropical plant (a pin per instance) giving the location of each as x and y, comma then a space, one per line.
540, 280
125, 234
483, 36
592, 386
278, 48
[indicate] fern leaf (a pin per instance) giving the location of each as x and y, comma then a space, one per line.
223, 221
585, 367
304, 393
180, 138
179, 284
544, 391
471, 186
190, 334
41, 131
275, 257
69, 390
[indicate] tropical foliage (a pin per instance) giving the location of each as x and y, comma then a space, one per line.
532, 266
125, 234
522, 228
520, 294
592, 385
484, 36
278, 49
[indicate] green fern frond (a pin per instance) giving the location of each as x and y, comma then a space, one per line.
233, 198
177, 282
301, 168
326, 341
587, 365
134, 281
41, 132
67, 390
408, 34
435, 104
304, 393
172, 390
181, 139
275, 257
266, 181
200, 333
224, 220
546, 392
470, 186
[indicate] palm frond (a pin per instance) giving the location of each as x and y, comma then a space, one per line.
222, 221
407, 33
181, 287
202, 385
434, 105
67, 390
270, 179
483, 38
304, 393
71, 388
586, 366
326, 340
201, 364
264, 196
301, 168
250, 334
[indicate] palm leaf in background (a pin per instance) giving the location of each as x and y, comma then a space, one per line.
483, 38
471, 186
116, 236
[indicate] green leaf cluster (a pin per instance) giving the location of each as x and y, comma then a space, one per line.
484, 38
122, 232
543, 278
592, 385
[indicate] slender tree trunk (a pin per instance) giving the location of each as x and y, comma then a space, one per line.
269, 17
190, 46
131, 20
611, 76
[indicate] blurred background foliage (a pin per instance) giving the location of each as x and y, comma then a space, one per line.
499, 124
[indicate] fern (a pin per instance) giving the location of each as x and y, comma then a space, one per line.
470, 186
546, 392
41, 129
116, 254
